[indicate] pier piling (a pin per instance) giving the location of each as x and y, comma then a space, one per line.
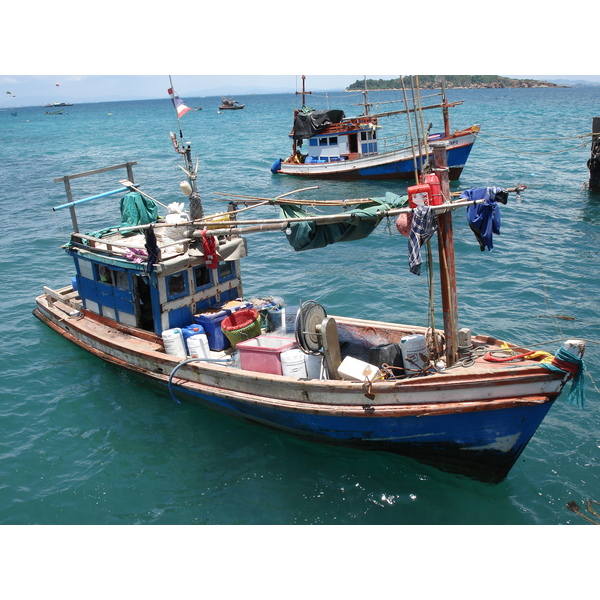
594, 161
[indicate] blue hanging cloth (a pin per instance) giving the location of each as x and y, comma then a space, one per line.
484, 219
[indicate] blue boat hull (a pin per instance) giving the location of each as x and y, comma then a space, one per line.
350, 170
457, 159
483, 444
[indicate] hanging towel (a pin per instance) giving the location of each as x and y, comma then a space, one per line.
424, 225
484, 219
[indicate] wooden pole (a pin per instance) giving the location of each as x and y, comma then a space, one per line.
446, 255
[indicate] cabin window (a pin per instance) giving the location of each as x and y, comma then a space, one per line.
363, 136
333, 141
121, 280
322, 141
369, 148
105, 275
201, 277
226, 270
313, 142
177, 285
114, 277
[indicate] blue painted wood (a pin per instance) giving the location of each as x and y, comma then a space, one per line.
482, 443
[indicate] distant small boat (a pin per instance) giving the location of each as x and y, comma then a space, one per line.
57, 105
55, 112
230, 104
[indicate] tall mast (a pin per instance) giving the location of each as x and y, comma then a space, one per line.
445, 106
304, 92
446, 255
196, 209
366, 97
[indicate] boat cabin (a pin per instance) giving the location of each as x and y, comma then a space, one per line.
169, 296
348, 139
154, 295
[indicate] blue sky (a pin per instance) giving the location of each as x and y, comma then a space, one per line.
32, 90
36, 90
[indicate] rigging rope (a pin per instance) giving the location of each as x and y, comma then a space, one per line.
582, 145
508, 137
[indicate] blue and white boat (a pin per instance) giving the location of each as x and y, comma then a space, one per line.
348, 148
463, 402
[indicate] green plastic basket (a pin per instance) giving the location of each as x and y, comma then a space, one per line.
241, 325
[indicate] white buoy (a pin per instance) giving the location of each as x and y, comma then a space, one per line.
575, 347
186, 188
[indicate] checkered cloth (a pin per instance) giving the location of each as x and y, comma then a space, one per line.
424, 225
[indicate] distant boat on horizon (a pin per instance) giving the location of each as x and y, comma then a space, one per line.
230, 104
57, 104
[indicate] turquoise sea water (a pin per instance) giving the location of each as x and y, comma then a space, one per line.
85, 443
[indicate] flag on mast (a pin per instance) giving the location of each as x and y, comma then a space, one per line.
178, 103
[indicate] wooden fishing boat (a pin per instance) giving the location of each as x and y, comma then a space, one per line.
463, 402
350, 148
230, 104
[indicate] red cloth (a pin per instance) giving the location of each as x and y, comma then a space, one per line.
209, 248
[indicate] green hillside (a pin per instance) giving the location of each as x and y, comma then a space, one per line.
452, 81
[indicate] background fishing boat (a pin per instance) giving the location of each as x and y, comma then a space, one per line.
341, 147
230, 104
57, 105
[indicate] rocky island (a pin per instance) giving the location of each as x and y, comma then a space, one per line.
453, 82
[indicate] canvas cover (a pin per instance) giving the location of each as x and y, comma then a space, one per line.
361, 221
137, 210
306, 124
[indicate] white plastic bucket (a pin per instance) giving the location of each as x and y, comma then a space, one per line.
292, 363
173, 341
198, 346
314, 366
414, 353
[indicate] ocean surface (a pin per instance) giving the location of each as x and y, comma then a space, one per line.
84, 443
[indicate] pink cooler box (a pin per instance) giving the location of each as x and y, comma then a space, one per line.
263, 353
